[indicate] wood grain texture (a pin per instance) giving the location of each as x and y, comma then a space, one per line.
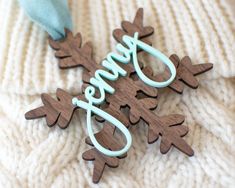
71, 53
58, 111
130, 92
185, 73
104, 137
107, 139
169, 127
100, 161
129, 28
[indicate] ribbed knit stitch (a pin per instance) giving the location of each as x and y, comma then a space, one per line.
33, 155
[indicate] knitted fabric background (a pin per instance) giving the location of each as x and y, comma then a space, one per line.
33, 155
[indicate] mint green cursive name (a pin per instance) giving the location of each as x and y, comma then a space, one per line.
127, 54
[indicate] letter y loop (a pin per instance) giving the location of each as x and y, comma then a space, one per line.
134, 44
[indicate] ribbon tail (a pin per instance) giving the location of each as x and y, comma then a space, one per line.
52, 15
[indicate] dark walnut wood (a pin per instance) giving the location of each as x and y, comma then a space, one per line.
71, 53
58, 111
130, 92
107, 139
186, 73
129, 28
100, 161
169, 127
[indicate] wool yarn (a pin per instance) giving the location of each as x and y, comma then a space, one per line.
33, 155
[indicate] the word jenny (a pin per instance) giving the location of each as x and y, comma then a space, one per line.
127, 54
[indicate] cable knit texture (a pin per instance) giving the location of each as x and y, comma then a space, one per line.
33, 155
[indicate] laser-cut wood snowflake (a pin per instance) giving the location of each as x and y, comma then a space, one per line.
140, 98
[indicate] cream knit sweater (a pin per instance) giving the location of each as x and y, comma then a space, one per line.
33, 155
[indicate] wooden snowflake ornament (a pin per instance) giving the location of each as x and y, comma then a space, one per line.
126, 89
